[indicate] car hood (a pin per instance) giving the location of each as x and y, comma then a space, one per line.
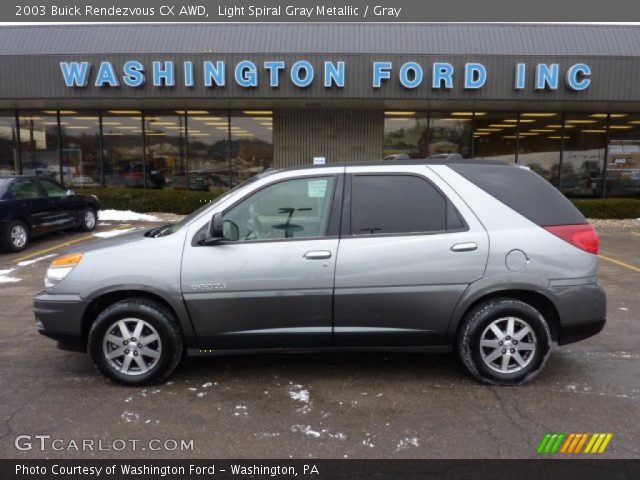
129, 237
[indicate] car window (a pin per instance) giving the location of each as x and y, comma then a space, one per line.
296, 208
388, 204
52, 188
21, 189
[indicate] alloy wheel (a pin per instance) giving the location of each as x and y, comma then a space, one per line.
508, 345
18, 236
89, 219
132, 346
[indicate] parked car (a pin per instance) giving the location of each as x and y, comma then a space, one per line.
480, 257
34, 206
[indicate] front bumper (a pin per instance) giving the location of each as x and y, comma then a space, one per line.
60, 317
582, 309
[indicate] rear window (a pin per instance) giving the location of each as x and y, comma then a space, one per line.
524, 191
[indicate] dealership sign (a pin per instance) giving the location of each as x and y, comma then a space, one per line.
302, 74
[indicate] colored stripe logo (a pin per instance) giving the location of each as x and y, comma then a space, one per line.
573, 443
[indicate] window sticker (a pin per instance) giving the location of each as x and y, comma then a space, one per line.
317, 188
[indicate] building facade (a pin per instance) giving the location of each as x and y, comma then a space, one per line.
207, 105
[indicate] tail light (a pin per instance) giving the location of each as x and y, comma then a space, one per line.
582, 236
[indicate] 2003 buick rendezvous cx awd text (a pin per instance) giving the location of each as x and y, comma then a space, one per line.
483, 257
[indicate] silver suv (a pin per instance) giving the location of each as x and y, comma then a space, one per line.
480, 257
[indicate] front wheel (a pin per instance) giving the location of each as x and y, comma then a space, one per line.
504, 341
88, 220
136, 342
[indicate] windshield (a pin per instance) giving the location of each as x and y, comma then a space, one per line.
174, 227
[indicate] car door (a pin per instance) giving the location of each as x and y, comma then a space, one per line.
271, 287
27, 201
63, 213
409, 249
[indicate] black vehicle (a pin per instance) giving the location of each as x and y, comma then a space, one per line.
34, 206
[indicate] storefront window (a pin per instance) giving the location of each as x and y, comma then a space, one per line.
583, 156
539, 143
165, 139
251, 143
8, 144
80, 152
623, 165
39, 143
405, 135
494, 136
123, 153
450, 133
208, 152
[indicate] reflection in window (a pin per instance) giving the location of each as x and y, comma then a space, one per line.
540, 142
80, 151
290, 209
494, 136
208, 146
623, 166
39, 144
8, 144
583, 156
405, 135
251, 143
165, 142
123, 155
450, 133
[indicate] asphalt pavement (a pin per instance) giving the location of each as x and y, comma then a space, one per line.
358, 405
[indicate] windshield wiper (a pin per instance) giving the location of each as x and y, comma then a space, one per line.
155, 232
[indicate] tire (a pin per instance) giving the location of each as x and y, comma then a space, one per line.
16, 236
88, 220
149, 360
526, 350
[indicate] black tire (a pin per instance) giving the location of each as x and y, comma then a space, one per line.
157, 316
9, 242
85, 224
479, 319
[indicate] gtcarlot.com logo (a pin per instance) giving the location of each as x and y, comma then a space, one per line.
574, 443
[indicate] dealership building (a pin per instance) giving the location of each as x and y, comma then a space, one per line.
202, 106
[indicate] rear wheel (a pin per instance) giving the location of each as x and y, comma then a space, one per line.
89, 220
136, 342
504, 341
16, 237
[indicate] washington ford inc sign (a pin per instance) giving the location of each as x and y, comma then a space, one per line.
302, 74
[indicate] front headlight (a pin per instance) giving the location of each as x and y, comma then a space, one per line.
60, 268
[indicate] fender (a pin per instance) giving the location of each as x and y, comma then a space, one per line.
495, 284
143, 283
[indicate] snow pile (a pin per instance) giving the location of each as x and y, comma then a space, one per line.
125, 216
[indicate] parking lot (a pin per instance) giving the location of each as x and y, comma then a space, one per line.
364, 405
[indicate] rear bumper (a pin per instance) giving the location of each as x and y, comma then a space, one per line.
60, 317
582, 309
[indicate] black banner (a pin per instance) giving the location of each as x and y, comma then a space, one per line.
319, 469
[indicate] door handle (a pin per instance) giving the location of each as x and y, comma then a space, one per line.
464, 247
317, 255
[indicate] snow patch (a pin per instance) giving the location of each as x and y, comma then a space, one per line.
129, 417
310, 432
624, 309
207, 385
26, 263
6, 278
299, 393
407, 442
112, 233
125, 216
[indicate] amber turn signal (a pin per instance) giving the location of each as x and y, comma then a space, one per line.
67, 260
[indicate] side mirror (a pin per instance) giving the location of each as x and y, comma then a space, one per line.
220, 230
215, 227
